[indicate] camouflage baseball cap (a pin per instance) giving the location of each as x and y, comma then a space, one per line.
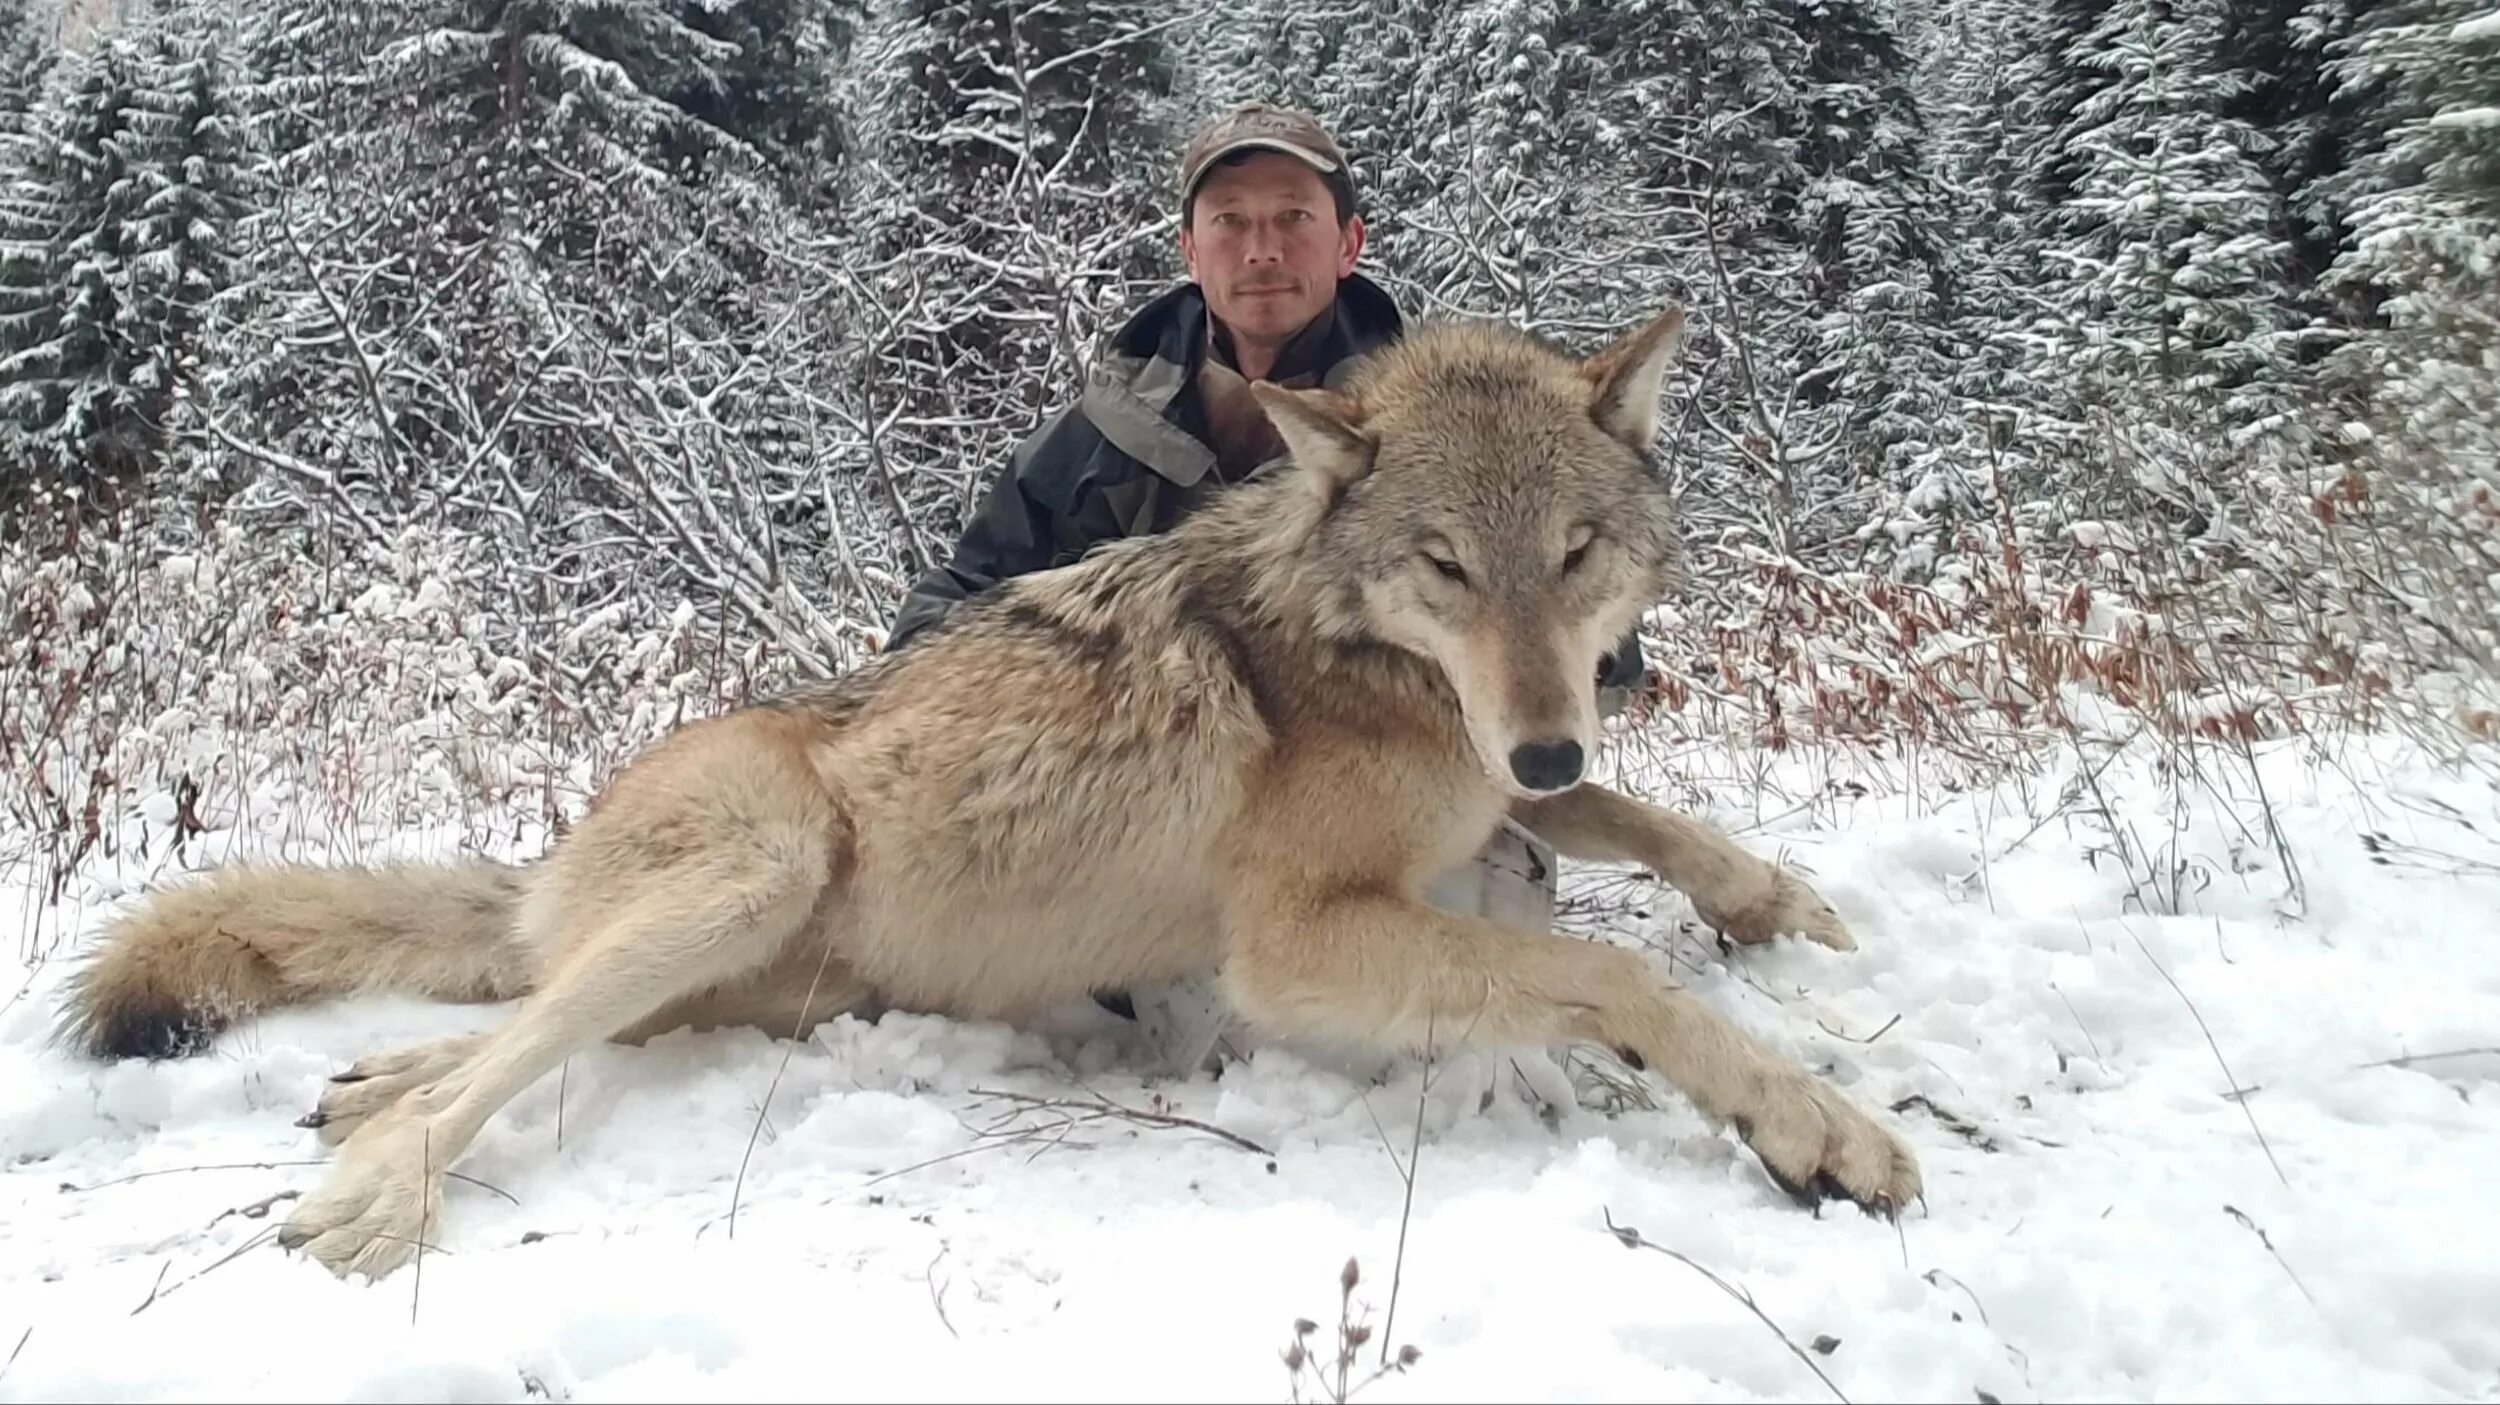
1260, 125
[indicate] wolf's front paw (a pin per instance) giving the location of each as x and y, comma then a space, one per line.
1818, 1146
380, 1200
1792, 908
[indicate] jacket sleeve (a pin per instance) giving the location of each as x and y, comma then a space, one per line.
1013, 531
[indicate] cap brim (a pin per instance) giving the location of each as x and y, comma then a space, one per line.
1317, 163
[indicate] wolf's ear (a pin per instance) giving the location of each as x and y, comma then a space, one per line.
1628, 375
1323, 430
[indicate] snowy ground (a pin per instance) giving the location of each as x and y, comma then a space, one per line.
2102, 1220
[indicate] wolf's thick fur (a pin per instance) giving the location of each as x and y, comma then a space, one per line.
1241, 747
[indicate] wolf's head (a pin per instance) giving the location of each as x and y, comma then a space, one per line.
1491, 506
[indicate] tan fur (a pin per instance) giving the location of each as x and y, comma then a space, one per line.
219, 948
1240, 747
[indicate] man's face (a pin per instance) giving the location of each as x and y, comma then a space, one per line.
1265, 244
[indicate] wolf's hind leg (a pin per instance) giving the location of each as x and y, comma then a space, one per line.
1748, 898
787, 999
711, 916
376, 1081
1379, 968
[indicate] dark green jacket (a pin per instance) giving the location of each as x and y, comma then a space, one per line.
1130, 457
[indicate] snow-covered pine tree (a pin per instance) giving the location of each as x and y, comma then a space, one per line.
358, 238
2411, 80
2461, 141
313, 84
1706, 108
981, 92
2168, 264
2423, 196
2056, 67
588, 82
513, 177
185, 245
777, 89
26, 55
2276, 52
2415, 386
121, 228
1916, 215
1991, 119
1014, 193
66, 374
514, 290
1487, 190
1274, 50
1873, 225
1369, 91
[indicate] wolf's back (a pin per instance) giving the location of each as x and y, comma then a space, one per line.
192, 958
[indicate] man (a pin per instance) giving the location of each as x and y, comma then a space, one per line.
1271, 237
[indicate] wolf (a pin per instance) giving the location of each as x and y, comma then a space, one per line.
1237, 751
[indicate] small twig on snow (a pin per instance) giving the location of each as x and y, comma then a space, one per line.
738, 1189
2229, 1078
2409, 1060
1100, 1107
1631, 1239
937, 1295
425, 1200
2252, 1227
154, 1288
1836, 1034
231, 1255
1406, 1172
73, 1187
258, 1209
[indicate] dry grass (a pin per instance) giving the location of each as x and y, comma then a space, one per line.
1303, 1359
158, 686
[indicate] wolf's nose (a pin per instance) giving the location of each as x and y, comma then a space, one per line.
1546, 765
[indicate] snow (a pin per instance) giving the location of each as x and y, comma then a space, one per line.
2098, 1227
2474, 117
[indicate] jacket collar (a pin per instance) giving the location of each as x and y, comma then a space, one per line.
1313, 352
1131, 391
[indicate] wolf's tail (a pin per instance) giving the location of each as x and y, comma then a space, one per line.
193, 958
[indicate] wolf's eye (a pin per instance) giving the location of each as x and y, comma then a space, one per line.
1576, 555
1446, 567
